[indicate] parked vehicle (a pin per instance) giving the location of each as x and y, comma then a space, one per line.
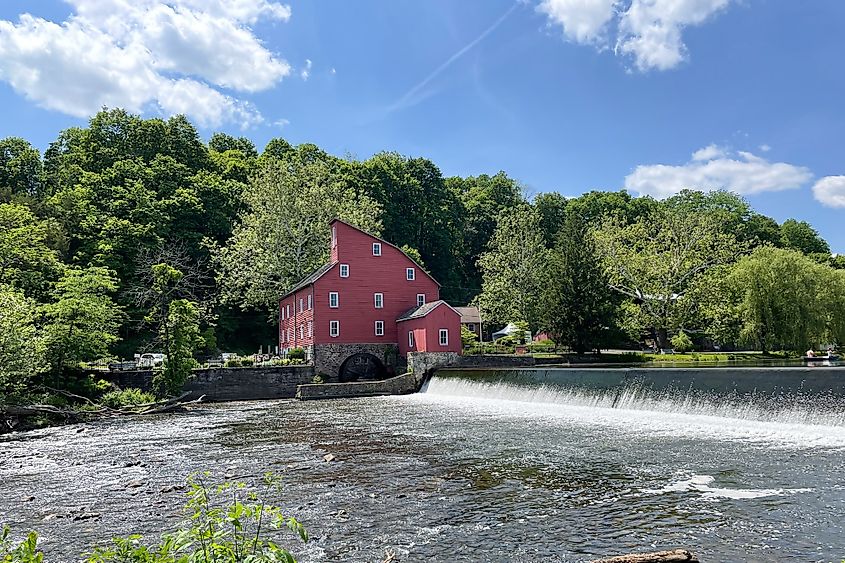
151, 360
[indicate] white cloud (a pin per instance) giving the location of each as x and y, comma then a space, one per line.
306, 72
583, 21
281, 122
765, 148
713, 169
649, 31
830, 191
708, 153
143, 54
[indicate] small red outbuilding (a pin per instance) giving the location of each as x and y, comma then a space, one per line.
432, 327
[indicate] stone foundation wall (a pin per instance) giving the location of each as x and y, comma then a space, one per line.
329, 357
399, 385
228, 384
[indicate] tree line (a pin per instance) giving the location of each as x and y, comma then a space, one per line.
606, 269
134, 234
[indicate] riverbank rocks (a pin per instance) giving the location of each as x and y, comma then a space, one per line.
670, 556
329, 458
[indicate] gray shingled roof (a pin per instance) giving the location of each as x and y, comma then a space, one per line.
422, 310
309, 279
469, 314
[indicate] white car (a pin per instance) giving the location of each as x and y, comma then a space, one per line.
151, 360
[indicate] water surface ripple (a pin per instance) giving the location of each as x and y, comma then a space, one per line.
446, 476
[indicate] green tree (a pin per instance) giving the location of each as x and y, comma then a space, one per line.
26, 259
284, 232
578, 306
181, 336
681, 343
512, 270
468, 337
657, 259
83, 320
552, 209
21, 345
800, 236
20, 169
479, 200
782, 299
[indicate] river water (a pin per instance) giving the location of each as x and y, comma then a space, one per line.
472, 469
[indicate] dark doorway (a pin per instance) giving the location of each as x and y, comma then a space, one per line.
358, 367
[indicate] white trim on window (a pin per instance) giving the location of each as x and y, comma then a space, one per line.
334, 329
301, 332
301, 304
288, 311
344, 270
334, 300
378, 300
409, 274
376, 249
379, 328
310, 302
310, 329
410, 339
444, 336
420, 299
282, 313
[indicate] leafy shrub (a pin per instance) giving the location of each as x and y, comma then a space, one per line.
226, 526
318, 379
247, 362
24, 552
233, 363
542, 346
128, 397
681, 343
296, 354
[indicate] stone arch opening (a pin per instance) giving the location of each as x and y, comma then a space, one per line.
361, 366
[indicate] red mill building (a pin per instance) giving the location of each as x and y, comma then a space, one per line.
370, 305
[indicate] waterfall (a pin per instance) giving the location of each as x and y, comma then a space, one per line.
769, 395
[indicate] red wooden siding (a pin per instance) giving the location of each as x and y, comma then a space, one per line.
368, 275
427, 331
291, 325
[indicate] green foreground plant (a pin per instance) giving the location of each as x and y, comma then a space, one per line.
227, 524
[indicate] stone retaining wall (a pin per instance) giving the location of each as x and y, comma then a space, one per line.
399, 385
228, 384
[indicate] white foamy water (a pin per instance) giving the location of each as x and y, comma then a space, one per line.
704, 484
636, 410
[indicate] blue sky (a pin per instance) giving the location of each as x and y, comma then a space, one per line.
564, 95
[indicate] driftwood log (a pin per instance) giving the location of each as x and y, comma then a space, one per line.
671, 556
10, 412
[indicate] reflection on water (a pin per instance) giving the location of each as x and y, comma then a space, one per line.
448, 475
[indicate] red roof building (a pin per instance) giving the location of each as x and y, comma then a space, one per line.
365, 301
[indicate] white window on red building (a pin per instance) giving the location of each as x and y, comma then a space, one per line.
282, 313
310, 329
344, 270
333, 300
310, 304
287, 309
444, 336
409, 274
379, 328
410, 339
301, 304
376, 249
301, 332
334, 329
334, 235
378, 300
420, 299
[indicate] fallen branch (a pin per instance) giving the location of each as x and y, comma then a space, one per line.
671, 556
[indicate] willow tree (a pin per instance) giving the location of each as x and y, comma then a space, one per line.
785, 299
655, 260
283, 234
